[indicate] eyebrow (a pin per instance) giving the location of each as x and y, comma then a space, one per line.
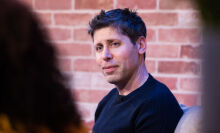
112, 40
109, 41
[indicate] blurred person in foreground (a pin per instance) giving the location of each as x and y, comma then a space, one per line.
139, 103
34, 97
210, 19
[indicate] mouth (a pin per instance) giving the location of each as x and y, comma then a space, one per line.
109, 69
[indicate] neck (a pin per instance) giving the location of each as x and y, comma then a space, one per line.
135, 81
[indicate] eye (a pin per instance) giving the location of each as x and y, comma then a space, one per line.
115, 44
99, 47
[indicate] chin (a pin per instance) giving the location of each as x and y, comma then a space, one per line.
112, 79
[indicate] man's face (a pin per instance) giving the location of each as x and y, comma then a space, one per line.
116, 55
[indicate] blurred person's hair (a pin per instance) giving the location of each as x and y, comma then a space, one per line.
33, 90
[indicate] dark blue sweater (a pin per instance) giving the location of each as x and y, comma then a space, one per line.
152, 108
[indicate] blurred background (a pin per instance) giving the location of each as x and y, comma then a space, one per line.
173, 50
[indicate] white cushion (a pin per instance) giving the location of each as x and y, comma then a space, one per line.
190, 122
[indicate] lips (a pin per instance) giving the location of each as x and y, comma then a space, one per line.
109, 69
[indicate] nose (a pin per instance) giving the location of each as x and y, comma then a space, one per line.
107, 55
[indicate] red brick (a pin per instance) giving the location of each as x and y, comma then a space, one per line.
189, 51
171, 83
151, 35
86, 65
187, 99
189, 19
53, 4
151, 66
45, 18
58, 34
79, 78
156, 19
86, 110
93, 4
91, 96
81, 35
65, 64
179, 35
99, 82
178, 67
175, 4
190, 84
137, 4
72, 19
162, 51
74, 49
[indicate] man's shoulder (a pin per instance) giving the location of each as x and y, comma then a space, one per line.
109, 96
105, 102
159, 88
155, 89
157, 93
159, 104
163, 97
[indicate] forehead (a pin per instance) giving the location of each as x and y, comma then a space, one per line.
107, 33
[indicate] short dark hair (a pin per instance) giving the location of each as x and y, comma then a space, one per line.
126, 21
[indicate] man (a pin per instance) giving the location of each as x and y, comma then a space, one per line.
139, 103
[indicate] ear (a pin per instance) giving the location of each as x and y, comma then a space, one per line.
141, 45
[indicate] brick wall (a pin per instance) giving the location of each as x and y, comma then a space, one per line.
173, 49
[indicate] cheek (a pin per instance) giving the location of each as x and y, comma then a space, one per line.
131, 59
125, 60
98, 59
127, 56
99, 63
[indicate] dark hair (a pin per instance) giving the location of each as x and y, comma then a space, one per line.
32, 88
126, 21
